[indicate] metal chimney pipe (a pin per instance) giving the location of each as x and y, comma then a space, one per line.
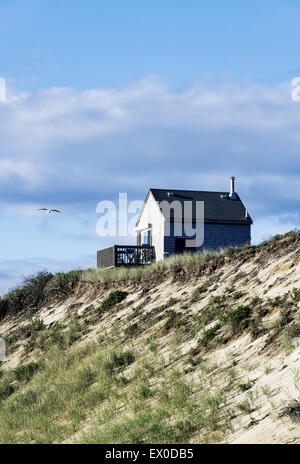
232, 179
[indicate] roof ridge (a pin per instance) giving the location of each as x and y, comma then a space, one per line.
187, 190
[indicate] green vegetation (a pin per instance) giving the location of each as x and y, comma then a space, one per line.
267, 370
184, 306
173, 320
208, 335
56, 335
118, 360
29, 296
37, 324
199, 292
11, 339
153, 346
245, 386
23, 373
245, 406
38, 289
256, 329
113, 299
122, 388
111, 389
234, 317
278, 327
6, 388
292, 410
132, 330
288, 337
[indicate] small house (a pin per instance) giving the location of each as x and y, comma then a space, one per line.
168, 218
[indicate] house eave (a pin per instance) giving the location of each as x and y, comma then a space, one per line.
143, 207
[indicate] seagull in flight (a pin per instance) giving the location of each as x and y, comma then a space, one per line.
49, 210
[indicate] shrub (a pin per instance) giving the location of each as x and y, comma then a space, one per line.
63, 282
132, 330
25, 372
237, 295
261, 310
119, 360
277, 301
113, 299
11, 339
208, 335
144, 391
230, 289
256, 329
194, 362
295, 293
293, 410
30, 295
281, 323
293, 331
256, 301
245, 386
37, 324
173, 320
288, 338
4, 306
278, 327
217, 300
233, 317
198, 292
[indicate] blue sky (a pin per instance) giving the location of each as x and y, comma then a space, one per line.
102, 43
101, 96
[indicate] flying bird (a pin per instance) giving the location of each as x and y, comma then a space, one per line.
49, 210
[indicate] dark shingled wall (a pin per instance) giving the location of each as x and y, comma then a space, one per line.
216, 236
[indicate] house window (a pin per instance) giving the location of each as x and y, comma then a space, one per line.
144, 237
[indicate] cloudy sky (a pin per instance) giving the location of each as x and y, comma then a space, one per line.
110, 96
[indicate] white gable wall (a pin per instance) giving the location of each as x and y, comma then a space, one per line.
151, 214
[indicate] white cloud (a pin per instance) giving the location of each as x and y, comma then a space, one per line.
60, 146
265, 227
23, 170
2, 90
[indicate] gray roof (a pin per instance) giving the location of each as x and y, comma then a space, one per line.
218, 207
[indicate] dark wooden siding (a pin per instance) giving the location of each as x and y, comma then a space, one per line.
106, 257
121, 255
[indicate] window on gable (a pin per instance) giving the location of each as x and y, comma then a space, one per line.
144, 237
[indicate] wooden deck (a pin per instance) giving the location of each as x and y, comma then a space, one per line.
125, 255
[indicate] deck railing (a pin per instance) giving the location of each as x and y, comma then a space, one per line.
125, 255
